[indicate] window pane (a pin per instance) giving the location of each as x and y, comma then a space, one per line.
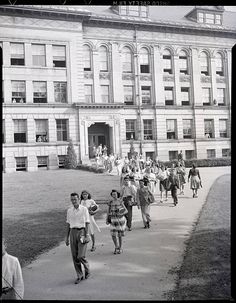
146, 94
126, 60
87, 58
38, 55
88, 93
59, 55
103, 58
148, 129
105, 93
60, 92
62, 131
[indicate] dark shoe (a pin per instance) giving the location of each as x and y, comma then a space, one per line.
93, 248
119, 250
78, 280
129, 229
87, 275
148, 225
145, 226
115, 251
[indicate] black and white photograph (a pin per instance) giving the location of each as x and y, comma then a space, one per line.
116, 151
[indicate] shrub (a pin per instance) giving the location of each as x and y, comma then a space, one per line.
203, 162
71, 157
87, 167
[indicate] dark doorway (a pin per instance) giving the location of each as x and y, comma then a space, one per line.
98, 133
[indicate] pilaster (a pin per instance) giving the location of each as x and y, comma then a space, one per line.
196, 78
158, 77
177, 89
117, 74
96, 81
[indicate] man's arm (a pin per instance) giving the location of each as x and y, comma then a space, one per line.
67, 233
18, 282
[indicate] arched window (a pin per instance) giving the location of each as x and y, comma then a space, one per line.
87, 58
204, 64
183, 63
144, 61
219, 65
103, 58
126, 60
167, 62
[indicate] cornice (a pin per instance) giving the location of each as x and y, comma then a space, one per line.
98, 105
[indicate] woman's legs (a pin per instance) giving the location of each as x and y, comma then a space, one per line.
115, 243
93, 242
120, 241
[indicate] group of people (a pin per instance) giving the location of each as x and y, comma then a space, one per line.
137, 188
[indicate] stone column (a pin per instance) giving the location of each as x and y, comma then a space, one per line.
96, 81
196, 78
158, 76
118, 91
28, 55
31, 131
177, 89
7, 54
50, 92
29, 91
7, 90
52, 129
49, 55
213, 78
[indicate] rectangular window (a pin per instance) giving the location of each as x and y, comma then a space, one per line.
211, 153
62, 129
185, 96
133, 10
40, 92
223, 123
18, 91
218, 19
167, 64
150, 155
209, 128
210, 18
204, 66
219, 66
130, 129
200, 17
171, 132
187, 128
128, 95
169, 96
3, 131
20, 130
59, 55
144, 63
17, 54
88, 93
60, 92
206, 95
41, 126
173, 155
105, 93
146, 94
220, 96
42, 162
148, 129
61, 161
21, 163
189, 154
144, 12
183, 65
38, 55
225, 152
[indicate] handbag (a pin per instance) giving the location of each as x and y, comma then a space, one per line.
150, 198
122, 211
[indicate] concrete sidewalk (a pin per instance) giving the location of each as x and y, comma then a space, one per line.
146, 270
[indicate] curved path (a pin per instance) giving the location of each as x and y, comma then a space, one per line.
146, 268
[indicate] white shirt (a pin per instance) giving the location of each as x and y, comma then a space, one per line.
12, 273
77, 217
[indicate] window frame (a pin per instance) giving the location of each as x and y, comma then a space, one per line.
22, 167
182, 91
189, 134
103, 61
171, 134
204, 96
130, 127
20, 136
36, 61
106, 96
56, 59
19, 96
146, 100
129, 101
87, 57
60, 95
62, 130
39, 96
212, 130
41, 135
148, 129
169, 102
17, 59
223, 132
213, 153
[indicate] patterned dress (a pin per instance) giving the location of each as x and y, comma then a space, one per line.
118, 222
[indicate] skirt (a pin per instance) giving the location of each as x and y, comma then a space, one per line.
118, 225
194, 182
93, 225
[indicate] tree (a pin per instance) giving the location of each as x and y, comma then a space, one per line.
71, 158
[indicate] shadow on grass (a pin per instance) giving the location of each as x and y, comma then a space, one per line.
34, 234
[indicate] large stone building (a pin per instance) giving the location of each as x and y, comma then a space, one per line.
159, 76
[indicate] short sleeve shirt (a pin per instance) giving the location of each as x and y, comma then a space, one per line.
77, 217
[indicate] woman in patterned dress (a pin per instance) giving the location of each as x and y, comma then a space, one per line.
118, 221
195, 181
90, 204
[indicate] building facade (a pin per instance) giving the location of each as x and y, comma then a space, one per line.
109, 75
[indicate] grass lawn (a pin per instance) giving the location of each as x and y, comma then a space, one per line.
35, 204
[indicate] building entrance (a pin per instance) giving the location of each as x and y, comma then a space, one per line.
99, 133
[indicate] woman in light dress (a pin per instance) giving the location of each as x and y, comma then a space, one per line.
195, 180
92, 208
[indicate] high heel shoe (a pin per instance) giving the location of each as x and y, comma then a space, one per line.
116, 251
119, 250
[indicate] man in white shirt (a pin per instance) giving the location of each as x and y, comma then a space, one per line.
128, 195
77, 231
12, 280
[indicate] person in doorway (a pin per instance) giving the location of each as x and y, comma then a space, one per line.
144, 199
195, 180
87, 201
128, 195
117, 220
77, 236
99, 150
12, 279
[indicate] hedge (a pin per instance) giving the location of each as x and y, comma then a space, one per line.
203, 162
98, 170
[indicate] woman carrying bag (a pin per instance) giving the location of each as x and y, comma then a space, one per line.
117, 220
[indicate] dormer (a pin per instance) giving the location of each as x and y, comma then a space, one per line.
131, 10
207, 15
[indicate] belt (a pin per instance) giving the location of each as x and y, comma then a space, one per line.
78, 228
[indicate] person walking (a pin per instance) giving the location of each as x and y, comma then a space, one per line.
116, 218
118, 164
128, 195
163, 176
124, 172
195, 180
85, 200
181, 173
144, 198
174, 185
77, 236
151, 177
12, 279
